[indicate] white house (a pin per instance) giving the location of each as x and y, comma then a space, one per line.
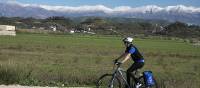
72, 31
7, 30
53, 28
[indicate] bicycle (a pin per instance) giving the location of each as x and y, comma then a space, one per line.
118, 80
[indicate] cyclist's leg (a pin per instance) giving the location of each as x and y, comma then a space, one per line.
139, 66
134, 67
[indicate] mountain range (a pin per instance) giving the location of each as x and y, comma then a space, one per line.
187, 14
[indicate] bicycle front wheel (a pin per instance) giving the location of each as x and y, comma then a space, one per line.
105, 82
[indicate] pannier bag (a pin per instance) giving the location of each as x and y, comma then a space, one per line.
148, 78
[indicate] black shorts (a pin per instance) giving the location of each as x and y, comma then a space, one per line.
135, 66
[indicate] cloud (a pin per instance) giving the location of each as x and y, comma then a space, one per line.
84, 8
7, 1
102, 8
129, 9
182, 8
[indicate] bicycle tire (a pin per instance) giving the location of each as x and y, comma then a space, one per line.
104, 80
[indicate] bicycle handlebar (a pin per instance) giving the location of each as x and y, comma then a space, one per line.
115, 64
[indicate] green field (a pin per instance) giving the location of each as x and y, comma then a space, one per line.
78, 60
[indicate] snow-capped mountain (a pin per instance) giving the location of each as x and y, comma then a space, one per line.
182, 13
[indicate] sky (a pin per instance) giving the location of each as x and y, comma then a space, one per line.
112, 3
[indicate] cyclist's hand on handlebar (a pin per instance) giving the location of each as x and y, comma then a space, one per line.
115, 61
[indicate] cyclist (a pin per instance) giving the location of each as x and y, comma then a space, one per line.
131, 52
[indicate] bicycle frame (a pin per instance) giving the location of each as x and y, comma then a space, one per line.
118, 72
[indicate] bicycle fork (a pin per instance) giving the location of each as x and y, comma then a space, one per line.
112, 81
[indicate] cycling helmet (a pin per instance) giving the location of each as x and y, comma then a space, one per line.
128, 40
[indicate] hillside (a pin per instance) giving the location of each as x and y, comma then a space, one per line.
107, 26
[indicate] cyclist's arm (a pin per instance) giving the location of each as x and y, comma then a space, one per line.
121, 56
127, 56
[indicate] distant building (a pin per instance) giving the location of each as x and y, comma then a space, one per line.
53, 28
33, 27
7, 30
89, 29
72, 31
41, 28
91, 33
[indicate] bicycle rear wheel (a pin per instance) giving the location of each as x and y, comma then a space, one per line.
104, 82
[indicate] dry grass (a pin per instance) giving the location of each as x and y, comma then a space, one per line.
54, 60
